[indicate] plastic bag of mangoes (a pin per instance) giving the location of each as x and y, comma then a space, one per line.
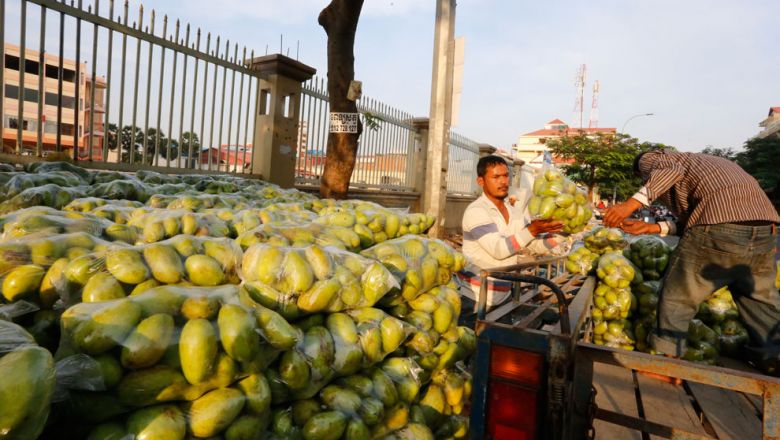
155, 225
300, 281
419, 263
45, 220
300, 235
601, 240
556, 197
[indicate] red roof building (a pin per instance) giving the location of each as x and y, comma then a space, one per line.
531, 146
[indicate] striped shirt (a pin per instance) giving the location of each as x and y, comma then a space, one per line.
702, 190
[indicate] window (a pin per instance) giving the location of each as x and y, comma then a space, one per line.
30, 95
12, 62
11, 91
67, 129
68, 75
31, 66
51, 71
27, 124
50, 127
67, 101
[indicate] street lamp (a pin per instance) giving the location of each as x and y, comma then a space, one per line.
622, 130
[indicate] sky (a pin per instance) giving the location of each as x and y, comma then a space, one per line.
707, 69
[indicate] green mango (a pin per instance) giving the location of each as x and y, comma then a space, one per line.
151, 385
329, 425
25, 391
127, 266
304, 409
384, 389
247, 427
144, 286
275, 329
44, 252
318, 297
110, 370
357, 430
160, 299
186, 246
105, 327
203, 270
161, 422
257, 391
122, 233
282, 425
238, 332
53, 282
225, 251
92, 407
213, 412
341, 399
263, 263
225, 373
197, 350
371, 342
319, 349
294, 370
102, 287
22, 280
393, 333
146, 345
547, 208
297, 275
320, 261
200, 307
108, 431
164, 263
371, 410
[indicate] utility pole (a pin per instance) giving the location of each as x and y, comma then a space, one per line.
435, 194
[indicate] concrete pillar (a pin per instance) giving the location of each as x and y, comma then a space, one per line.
486, 150
517, 167
420, 154
435, 195
278, 109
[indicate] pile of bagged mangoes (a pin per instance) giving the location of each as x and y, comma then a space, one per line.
556, 197
625, 301
154, 306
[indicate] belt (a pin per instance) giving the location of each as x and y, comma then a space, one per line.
754, 223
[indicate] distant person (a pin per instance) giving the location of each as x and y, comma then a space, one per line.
728, 229
601, 205
495, 234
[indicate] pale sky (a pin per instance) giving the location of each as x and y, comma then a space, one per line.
708, 69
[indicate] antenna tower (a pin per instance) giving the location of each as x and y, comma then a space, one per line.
593, 122
579, 82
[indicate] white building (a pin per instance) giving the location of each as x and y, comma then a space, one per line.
771, 124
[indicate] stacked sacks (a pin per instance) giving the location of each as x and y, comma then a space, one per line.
556, 197
26, 384
301, 235
612, 302
176, 360
442, 402
129, 189
157, 225
650, 254
43, 220
646, 294
300, 281
581, 261
119, 271
716, 329
601, 240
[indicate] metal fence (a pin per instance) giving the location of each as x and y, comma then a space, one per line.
462, 168
384, 154
123, 88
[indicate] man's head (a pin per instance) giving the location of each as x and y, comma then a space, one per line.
636, 163
493, 177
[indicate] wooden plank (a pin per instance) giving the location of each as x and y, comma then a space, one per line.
756, 400
615, 392
669, 405
730, 414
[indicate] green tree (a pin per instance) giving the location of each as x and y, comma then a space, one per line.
728, 153
759, 158
602, 159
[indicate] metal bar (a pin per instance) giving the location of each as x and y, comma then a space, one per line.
91, 128
77, 106
41, 76
230, 114
238, 119
119, 127
194, 99
148, 100
315, 130
222, 108
647, 426
160, 90
256, 82
22, 69
135, 88
135, 32
248, 111
183, 94
309, 131
173, 98
213, 106
771, 422
60, 72
203, 110
2, 70
107, 108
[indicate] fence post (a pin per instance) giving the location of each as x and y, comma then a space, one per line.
486, 150
419, 156
278, 104
517, 169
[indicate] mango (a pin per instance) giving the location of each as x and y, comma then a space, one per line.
186, 245
238, 332
144, 286
161, 299
357, 430
296, 275
294, 370
22, 280
197, 350
257, 391
107, 431
146, 345
164, 263
320, 261
151, 385
127, 266
371, 410
247, 427
25, 391
203, 270
214, 411
53, 281
153, 232
384, 389
106, 326
263, 263
341, 399
44, 252
102, 287
318, 297
275, 329
163, 422
110, 370
200, 306
442, 317
329, 425
225, 251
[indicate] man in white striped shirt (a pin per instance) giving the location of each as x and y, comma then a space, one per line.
727, 227
495, 234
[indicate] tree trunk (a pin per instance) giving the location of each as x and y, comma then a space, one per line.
340, 19
591, 182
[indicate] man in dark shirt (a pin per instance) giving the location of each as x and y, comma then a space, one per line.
727, 225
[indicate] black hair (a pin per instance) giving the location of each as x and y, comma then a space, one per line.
489, 161
636, 162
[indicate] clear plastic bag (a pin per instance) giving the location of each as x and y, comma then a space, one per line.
44, 220
300, 235
650, 254
558, 198
581, 261
601, 240
615, 270
157, 225
51, 195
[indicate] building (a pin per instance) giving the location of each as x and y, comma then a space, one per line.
73, 122
531, 146
771, 124
225, 158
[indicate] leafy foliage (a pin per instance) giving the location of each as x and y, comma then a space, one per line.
726, 153
155, 141
759, 159
603, 160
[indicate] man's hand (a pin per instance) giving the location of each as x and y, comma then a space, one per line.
615, 215
639, 228
537, 227
512, 200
